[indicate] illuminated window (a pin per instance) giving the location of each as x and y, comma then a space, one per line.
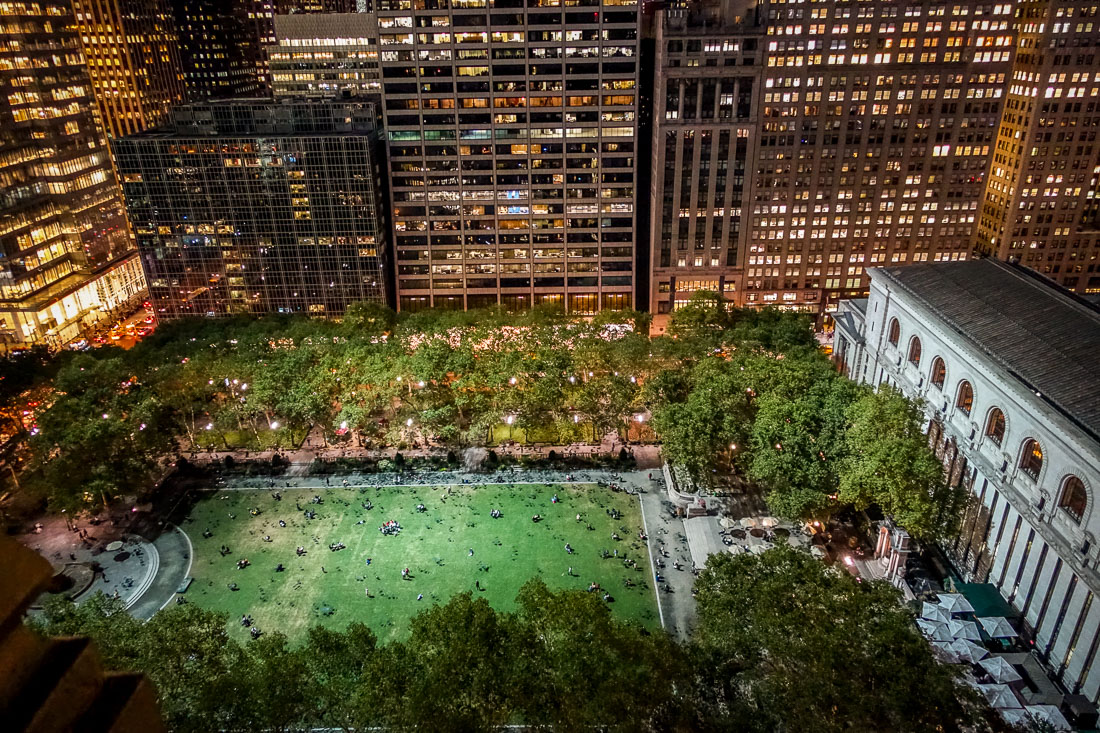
939, 372
1031, 462
965, 399
995, 427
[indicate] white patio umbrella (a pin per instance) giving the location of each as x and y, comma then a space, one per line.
748, 522
758, 549
964, 630
727, 522
932, 612
1000, 670
769, 522
817, 551
1048, 714
997, 627
1000, 696
934, 630
968, 651
943, 648
955, 603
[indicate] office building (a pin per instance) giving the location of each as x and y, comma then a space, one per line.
512, 136
258, 207
223, 46
131, 51
1042, 207
321, 55
705, 136
1005, 362
286, 7
878, 124
66, 256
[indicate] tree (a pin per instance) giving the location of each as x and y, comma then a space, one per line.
465, 648
888, 462
788, 644
578, 669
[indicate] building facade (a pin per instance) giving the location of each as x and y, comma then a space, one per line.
1042, 206
223, 47
131, 51
66, 255
320, 55
709, 66
512, 135
1005, 362
258, 207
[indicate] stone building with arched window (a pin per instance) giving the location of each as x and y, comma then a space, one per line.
1008, 366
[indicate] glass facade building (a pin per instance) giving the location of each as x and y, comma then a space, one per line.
320, 55
258, 207
66, 256
512, 133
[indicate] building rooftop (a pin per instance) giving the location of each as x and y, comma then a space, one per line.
1046, 337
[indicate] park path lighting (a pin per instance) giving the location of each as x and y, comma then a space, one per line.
409, 423
209, 426
509, 419
572, 380
512, 380
274, 424
105, 416
420, 384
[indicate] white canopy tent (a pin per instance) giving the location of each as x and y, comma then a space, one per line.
1000, 670
968, 651
997, 627
1048, 714
934, 630
1000, 696
964, 630
955, 603
932, 612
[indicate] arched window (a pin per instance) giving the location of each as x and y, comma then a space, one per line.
1074, 498
939, 372
965, 399
995, 427
1031, 462
895, 332
914, 351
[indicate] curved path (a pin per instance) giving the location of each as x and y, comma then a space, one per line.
174, 549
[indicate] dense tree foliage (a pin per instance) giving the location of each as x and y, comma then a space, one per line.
744, 388
788, 644
784, 644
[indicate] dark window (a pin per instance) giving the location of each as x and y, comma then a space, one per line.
995, 427
914, 351
939, 372
1074, 498
895, 332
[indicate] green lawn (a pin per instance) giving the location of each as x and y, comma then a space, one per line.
435, 545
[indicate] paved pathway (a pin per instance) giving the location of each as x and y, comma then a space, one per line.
174, 549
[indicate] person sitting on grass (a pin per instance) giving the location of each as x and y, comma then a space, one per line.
243, 563
536, 518
421, 508
267, 538
300, 550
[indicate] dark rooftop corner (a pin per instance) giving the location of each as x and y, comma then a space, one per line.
59, 684
1042, 334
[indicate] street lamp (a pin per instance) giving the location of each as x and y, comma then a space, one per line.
274, 424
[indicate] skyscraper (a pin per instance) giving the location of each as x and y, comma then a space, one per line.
286, 7
131, 51
322, 54
512, 133
66, 256
705, 136
878, 126
223, 47
258, 207
1042, 207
